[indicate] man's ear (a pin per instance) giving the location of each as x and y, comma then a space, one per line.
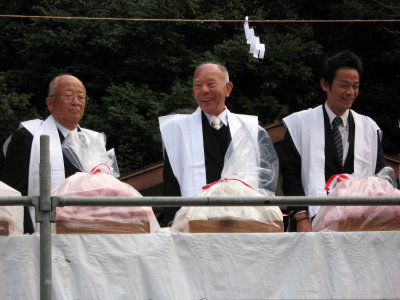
228, 88
324, 85
50, 102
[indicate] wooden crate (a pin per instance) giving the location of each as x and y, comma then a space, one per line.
4, 228
232, 226
105, 227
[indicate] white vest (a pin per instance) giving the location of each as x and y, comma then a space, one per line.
182, 137
307, 129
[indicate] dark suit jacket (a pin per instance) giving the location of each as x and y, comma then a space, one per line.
16, 169
216, 143
290, 161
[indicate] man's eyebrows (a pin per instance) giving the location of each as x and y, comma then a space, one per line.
349, 82
213, 79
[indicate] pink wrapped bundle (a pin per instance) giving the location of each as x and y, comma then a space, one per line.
359, 218
106, 219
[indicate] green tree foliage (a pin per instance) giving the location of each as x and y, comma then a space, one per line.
129, 117
14, 108
136, 71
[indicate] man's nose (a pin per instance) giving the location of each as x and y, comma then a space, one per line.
351, 91
75, 99
204, 89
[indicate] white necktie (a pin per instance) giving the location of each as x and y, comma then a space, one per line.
216, 123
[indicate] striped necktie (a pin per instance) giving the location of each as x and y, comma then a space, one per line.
337, 138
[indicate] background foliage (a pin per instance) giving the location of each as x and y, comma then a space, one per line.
135, 72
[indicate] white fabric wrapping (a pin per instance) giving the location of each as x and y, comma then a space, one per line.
307, 130
356, 265
182, 136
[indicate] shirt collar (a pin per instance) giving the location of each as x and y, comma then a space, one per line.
223, 116
332, 115
64, 130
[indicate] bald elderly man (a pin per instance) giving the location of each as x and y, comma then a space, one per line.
195, 144
66, 102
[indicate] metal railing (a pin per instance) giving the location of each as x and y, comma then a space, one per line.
45, 207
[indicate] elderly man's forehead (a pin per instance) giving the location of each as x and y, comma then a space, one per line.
68, 80
208, 78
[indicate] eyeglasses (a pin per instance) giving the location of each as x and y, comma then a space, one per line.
82, 98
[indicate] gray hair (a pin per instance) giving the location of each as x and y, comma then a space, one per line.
221, 67
53, 83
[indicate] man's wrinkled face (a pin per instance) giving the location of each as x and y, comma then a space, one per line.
344, 90
66, 105
210, 89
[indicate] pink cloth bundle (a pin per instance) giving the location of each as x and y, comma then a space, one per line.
363, 218
97, 185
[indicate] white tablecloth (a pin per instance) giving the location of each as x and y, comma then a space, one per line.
359, 265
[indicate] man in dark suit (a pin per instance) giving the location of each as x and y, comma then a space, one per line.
329, 139
66, 101
195, 145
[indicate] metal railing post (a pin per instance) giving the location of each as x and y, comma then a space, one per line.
44, 211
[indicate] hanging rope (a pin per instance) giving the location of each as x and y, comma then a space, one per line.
198, 20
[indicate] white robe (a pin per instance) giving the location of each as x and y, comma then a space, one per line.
307, 130
182, 137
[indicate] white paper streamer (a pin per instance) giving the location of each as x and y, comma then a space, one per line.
256, 48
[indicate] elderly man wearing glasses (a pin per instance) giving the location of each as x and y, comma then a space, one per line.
66, 102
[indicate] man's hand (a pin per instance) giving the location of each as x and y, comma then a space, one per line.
303, 222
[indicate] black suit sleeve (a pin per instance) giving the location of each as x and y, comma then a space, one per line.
16, 169
170, 188
2, 165
290, 165
171, 185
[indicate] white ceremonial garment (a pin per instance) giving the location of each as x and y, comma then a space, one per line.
182, 137
37, 128
307, 129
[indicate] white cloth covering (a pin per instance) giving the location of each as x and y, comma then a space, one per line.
333, 265
182, 136
307, 130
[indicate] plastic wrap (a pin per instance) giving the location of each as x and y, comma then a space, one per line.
11, 217
87, 152
361, 218
106, 219
250, 170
